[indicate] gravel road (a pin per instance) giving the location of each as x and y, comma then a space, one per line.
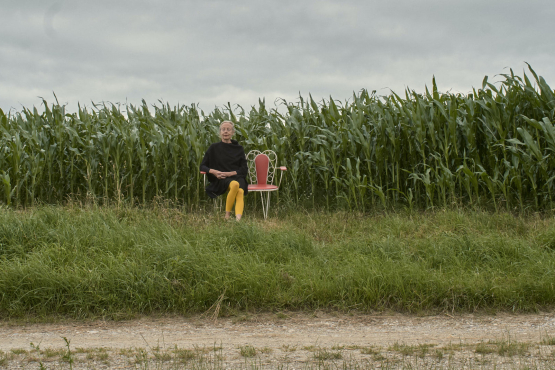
294, 335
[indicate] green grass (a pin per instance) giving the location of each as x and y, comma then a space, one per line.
119, 262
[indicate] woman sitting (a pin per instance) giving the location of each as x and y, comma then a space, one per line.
226, 165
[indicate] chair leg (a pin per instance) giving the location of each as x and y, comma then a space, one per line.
265, 197
268, 204
218, 204
262, 199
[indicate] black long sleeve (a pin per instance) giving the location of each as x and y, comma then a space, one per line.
204, 165
225, 157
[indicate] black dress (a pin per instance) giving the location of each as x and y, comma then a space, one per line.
225, 158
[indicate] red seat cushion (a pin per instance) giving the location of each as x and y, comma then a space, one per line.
262, 187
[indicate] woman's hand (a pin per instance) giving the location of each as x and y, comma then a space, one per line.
222, 175
218, 174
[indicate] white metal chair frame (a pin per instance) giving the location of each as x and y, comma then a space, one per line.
267, 186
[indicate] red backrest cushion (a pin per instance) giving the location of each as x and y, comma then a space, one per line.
262, 164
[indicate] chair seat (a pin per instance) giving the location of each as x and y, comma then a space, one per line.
262, 187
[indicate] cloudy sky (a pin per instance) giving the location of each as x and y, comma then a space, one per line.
212, 52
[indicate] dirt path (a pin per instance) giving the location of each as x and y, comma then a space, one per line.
274, 331
295, 335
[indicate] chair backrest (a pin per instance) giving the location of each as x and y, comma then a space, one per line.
262, 166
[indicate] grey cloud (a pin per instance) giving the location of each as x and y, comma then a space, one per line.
217, 51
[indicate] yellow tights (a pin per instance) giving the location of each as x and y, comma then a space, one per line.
235, 194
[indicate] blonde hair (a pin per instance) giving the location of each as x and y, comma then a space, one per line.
231, 123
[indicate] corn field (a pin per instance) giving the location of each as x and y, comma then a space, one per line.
492, 148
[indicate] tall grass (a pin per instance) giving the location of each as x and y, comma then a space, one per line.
491, 148
90, 262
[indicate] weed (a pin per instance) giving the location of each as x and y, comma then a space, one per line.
323, 355
484, 349
128, 352
242, 318
247, 351
99, 356
266, 350
103, 356
455, 347
51, 352
548, 340
68, 356
408, 350
423, 349
3, 358
141, 356
405, 350
369, 351
35, 347
184, 355
510, 349
378, 357
288, 348
438, 353
162, 356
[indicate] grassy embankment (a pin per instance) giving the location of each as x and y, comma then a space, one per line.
110, 262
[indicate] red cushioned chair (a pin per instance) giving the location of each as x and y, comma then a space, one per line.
262, 170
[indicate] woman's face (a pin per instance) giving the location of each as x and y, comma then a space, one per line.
226, 131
